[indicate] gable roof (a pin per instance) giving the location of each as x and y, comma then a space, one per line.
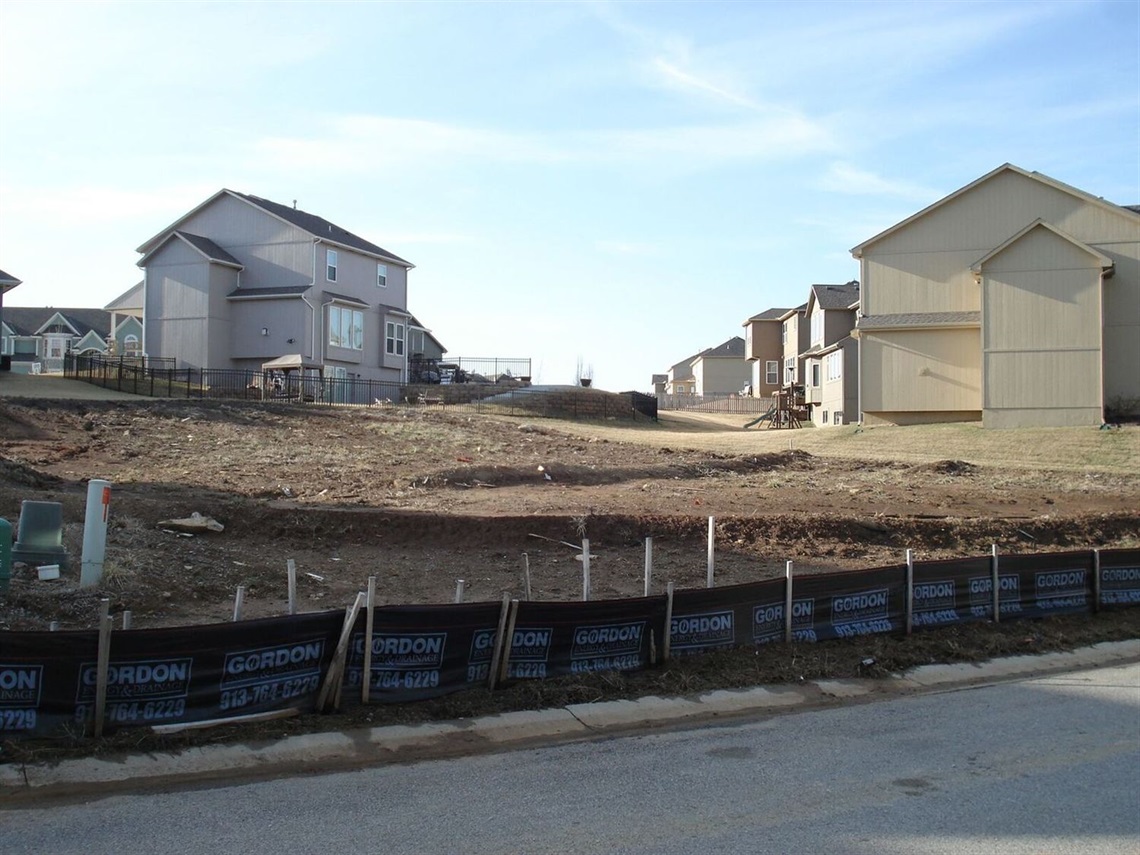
733, 348
1106, 263
920, 320
7, 282
1127, 211
767, 315
27, 321
800, 309
129, 299
836, 296
201, 245
316, 226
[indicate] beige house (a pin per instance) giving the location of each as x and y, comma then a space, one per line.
721, 370
795, 339
764, 351
1015, 300
831, 367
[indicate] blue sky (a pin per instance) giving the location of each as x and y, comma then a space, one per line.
620, 183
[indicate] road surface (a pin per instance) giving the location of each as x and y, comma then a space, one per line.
1049, 765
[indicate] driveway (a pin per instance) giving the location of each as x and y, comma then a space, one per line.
57, 387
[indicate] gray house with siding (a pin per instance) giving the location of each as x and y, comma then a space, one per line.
241, 280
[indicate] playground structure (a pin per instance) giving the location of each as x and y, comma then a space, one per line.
788, 410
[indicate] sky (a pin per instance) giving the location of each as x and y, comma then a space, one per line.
613, 184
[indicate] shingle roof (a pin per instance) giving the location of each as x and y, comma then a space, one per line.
920, 319
1135, 208
769, 315
26, 320
8, 279
343, 298
277, 291
836, 296
734, 347
208, 248
319, 226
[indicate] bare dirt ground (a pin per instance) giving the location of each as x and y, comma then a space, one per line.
421, 497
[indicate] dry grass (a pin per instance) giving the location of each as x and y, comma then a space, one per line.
1081, 449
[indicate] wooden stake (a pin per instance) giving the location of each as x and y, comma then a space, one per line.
500, 636
585, 569
997, 587
648, 564
370, 608
788, 603
526, 576
909, 591
103, 663
127, 619
666, 642
505, 663
291, 570
712, 547
336, 671
459, 583
53, 626
1096, 581
239, 601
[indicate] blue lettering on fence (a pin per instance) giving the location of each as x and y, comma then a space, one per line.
706, 631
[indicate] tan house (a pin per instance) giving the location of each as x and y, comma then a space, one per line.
831, 366
721, 370
764, 351
795, 339
1014, 300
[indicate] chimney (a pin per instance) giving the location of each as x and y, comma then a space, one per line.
294, 204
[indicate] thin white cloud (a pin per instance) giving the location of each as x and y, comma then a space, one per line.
678, 79
845, 178
371, 143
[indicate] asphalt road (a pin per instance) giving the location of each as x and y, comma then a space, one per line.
1048, 765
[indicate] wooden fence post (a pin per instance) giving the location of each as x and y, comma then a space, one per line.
712, 552
103, 663
996, 580
369, 615
648, 564
909, 591
788, 603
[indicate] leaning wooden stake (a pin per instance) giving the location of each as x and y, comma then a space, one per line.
508, 639
526, 575
500, 640
103, 663
239, 601
370, 608
336, 666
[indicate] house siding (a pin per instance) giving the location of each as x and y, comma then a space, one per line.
925, 266
922, 370
283, 319
718, 376
178, 305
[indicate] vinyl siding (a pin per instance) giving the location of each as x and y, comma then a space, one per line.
922, 370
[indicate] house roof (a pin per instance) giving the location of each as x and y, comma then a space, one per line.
319, 227
918, 320
129, 299
733, 348
1135, 208
414, 322
342, 298
267, 293
683, 370
836, 296
316, 226
28, 321
202, 245
768, 315
7, 282
1127, 210
789, 312
1106, 263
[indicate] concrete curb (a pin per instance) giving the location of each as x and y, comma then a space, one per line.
401, 743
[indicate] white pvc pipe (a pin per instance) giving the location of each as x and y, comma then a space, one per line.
95, 532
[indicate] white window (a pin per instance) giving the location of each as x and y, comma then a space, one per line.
394, 339
346, 328
835, 365
790, 370
381, 275
131, 345
330, 265
816, 327
823, 421
772, 372
838, 417
784, 333
56, 346
815, 374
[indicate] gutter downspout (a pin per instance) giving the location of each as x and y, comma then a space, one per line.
312, 308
